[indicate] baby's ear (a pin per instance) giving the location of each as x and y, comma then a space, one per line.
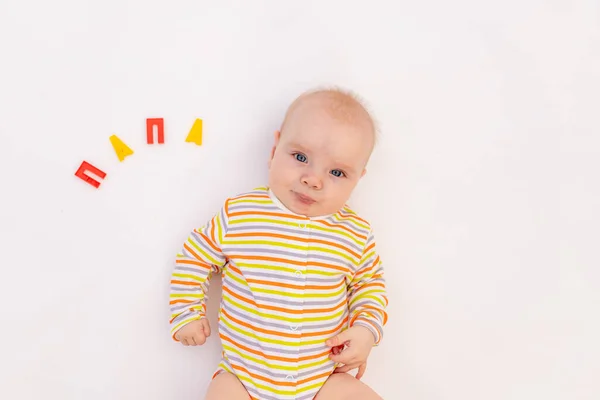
277, 136
275, 143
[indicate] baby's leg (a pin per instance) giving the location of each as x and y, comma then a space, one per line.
343, 386
226, 386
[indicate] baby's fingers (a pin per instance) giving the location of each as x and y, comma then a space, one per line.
361, 371
205, 326
345, 357
346, 368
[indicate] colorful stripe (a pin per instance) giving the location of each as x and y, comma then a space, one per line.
289, 284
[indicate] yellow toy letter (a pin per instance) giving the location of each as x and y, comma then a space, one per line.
120, 148
195, 135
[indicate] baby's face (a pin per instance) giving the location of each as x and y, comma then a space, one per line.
317, 161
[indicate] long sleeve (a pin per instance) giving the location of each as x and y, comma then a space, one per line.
367, 292
200, 257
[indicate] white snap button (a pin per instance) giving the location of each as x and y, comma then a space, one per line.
293, 327
298, 274
289, 377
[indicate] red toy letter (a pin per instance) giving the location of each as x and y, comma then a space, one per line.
160, 127
85, 166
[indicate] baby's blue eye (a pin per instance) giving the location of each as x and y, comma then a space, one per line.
337, 172
300, 157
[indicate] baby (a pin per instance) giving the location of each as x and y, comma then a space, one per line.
304, 298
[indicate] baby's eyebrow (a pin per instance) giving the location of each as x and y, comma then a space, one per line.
297, 146
344, 167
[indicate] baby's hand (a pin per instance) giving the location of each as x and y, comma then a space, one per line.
194, 333
358, 343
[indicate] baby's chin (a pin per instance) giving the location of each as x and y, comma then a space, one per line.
313, 210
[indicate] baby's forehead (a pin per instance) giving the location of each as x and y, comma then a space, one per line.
338, 105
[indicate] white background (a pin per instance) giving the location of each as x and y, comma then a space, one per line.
483, 189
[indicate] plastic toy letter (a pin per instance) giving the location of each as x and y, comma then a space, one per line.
121, 148
195, 135
160, 127
85, 166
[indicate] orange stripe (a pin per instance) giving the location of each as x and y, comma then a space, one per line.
281, 309
314, 378
370, 247
289, 261
363, 272
271, 214
283, 285
182, 301
298, 239
208, 241
350, 214
196, 263
373, 325
193, 283
329, 332
251, 196
342, 227
310, 358
257, 352
368, 285
290, 286
212, 230
261, 377
285, 334
257, 329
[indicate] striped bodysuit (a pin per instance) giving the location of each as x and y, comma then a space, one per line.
290, 282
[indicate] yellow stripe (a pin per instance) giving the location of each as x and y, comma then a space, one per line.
368, 295
280, 318
206, 255
303, 248
252, 334
250, 201
351, 220
188, 276
285, 269
295, 224
267, 388
226, 346
185, 322
182, 295
285, 293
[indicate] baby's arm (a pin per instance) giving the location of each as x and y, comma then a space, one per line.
200, 257
367, 292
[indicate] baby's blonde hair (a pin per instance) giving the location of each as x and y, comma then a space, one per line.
343, 104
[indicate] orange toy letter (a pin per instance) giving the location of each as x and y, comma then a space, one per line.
160, 127
85, 166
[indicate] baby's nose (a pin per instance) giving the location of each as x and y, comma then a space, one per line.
313, 181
